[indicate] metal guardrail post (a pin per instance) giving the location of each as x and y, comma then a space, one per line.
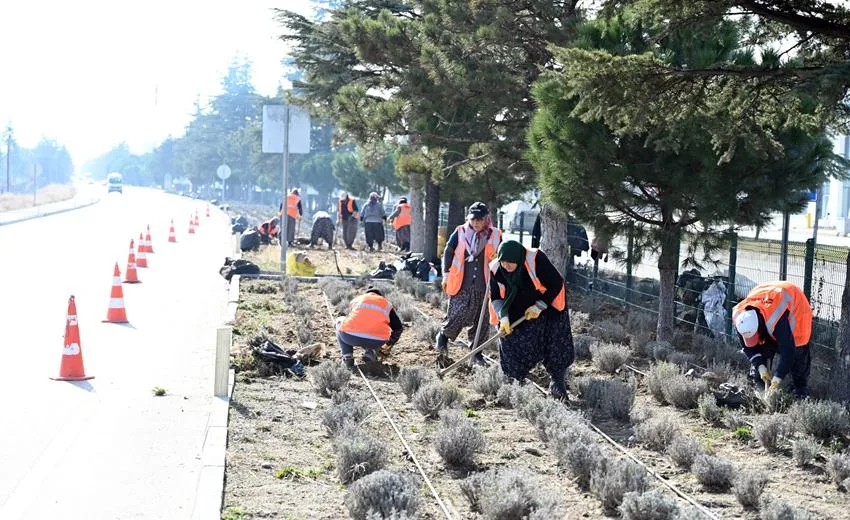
521, 224
730, 287
224, 338
629, 255
809, 268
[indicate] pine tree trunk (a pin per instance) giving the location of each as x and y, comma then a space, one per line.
417, 222
553, 240
457, 214
840, 373
432, 219
667, 278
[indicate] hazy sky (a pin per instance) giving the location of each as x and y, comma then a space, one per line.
84, 72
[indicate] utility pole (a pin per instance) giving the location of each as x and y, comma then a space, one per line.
284, 222
8, 154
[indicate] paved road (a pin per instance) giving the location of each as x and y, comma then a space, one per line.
107, 448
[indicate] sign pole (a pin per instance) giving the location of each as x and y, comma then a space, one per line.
284, 221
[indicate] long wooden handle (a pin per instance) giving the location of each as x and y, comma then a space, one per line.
476, 350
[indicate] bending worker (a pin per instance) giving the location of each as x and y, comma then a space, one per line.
268, 230
373, 217
347, 219
468, 251
323, 228
400, 219
776, 317
525, 283
372, 324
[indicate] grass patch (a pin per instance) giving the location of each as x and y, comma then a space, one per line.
293, 472
47, 195
158, 391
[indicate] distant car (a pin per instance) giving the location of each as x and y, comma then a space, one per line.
523, 221
115, 182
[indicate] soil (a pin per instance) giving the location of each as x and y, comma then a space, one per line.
275, 423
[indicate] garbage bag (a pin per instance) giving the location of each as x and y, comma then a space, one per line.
232, 267
250, 240
270, 352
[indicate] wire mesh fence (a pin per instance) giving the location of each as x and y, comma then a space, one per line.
704, 297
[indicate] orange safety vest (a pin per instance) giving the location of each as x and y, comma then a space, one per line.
772, 299
455, 275
267, 228
403, 218
369, 317
292, 205
560, 301
350, 206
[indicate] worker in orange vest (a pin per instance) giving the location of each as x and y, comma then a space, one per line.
293, 214
346, 219
776, 317
372, 324
469, 249
524, 283
268, 230
400, 219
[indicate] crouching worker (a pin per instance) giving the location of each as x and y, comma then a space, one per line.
524, 283
776, 317
268, 230
372, 324
323, 229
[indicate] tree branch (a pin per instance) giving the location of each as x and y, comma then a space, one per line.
798, 21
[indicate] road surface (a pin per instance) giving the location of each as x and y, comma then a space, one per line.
107, 448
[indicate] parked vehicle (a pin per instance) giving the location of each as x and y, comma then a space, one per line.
115, 182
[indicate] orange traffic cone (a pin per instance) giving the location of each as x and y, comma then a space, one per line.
132, 275
142, 259
197, 220
148, 244
72, 368
191, 225
208, 211
171, 237
117, 313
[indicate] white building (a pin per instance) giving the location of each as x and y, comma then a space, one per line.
835, 194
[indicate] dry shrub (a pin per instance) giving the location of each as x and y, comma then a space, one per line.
771, 430
511, 494
433, 397
682, 391
329, 377
613, 479
658, 373
487, 381
804, 450
411, 378
349, 412
611, 331
386, 494
708, 409
822, 419
657, 432
773, 509
357, 454
608, 357
640, 413
683, 450
658, 350
582, 344
608, 397
713, 472
838, 467
748, 487
425, 330
651, 505
457, 440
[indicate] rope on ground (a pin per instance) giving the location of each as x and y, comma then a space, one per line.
395, 428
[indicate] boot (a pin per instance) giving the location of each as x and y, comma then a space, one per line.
443, 359
348, 361
557, 388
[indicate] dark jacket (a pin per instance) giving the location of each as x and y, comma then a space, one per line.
784, 345
397, 327
528, 295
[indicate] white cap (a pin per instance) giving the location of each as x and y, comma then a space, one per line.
747, 325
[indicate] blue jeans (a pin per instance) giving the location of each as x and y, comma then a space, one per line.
347, 342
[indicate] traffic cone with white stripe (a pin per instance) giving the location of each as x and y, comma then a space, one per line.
208, 210
191, 225
197, 220
141, 259
148, 243
117, 313
132, 276
171, 237
72, 368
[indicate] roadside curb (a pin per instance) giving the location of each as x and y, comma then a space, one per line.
48, 212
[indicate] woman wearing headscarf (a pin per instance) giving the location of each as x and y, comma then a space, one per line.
468, 251
373, 217
524, 283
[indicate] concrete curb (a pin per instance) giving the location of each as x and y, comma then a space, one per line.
210, 493
45, 211
233, 297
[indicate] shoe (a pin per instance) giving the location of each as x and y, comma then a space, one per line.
442, 344
478, 360
348, 361
558, 392
369, 356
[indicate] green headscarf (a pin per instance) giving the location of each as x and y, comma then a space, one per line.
514, 252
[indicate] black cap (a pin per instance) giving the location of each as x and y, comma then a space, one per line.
478, 210
402, 200
373, 290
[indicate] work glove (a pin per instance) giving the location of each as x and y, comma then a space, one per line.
774, 383
765, 375
385, 350
505, 326
534, 311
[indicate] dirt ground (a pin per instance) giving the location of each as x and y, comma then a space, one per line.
275, 429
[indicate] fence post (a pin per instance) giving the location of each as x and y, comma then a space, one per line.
730, 287
809, 268
783, 254
521, 224
629, 254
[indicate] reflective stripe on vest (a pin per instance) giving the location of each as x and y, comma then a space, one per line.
403, 218
369, 318
455, 275
292, 205
773, 299
560, 301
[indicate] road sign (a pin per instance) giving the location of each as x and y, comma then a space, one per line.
223, 172
299, 129
813, 196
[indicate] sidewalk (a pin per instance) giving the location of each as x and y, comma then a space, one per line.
85, 197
